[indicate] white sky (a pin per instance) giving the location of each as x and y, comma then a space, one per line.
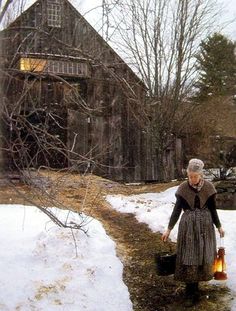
228, 13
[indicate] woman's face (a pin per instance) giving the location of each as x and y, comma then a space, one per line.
194, 178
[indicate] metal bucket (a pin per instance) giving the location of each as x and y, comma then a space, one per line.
165, 263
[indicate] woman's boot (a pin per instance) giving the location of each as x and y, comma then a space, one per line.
191, 294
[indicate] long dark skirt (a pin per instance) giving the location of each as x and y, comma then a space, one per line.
196, 246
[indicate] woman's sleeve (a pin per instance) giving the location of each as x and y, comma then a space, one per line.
175, 213
211, 203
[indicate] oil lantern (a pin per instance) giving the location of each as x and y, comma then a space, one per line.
220, 265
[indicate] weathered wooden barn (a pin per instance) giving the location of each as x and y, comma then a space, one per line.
58, 71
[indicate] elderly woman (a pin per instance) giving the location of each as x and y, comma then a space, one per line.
196, 241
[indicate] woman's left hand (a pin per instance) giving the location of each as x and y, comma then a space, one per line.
221, 232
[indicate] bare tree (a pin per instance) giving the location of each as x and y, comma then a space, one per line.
159, 39
10, 9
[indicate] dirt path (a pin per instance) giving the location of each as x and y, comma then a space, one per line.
136, 245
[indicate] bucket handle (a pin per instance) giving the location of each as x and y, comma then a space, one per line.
171, 250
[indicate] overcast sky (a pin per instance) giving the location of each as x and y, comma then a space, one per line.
228, 13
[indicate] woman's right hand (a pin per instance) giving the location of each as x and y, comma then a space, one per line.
165, 235
221, 232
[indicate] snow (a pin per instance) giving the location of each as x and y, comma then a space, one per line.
42, 271
155, 209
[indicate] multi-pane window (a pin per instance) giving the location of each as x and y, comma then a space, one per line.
58, 67
54, 13
68, 68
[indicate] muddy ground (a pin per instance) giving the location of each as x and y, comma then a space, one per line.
136, 243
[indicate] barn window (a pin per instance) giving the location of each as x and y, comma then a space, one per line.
54, 13
68, 68
59, 67
32, 64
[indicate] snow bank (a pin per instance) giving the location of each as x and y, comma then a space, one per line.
40, 269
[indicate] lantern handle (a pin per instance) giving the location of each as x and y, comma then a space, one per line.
222, 242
